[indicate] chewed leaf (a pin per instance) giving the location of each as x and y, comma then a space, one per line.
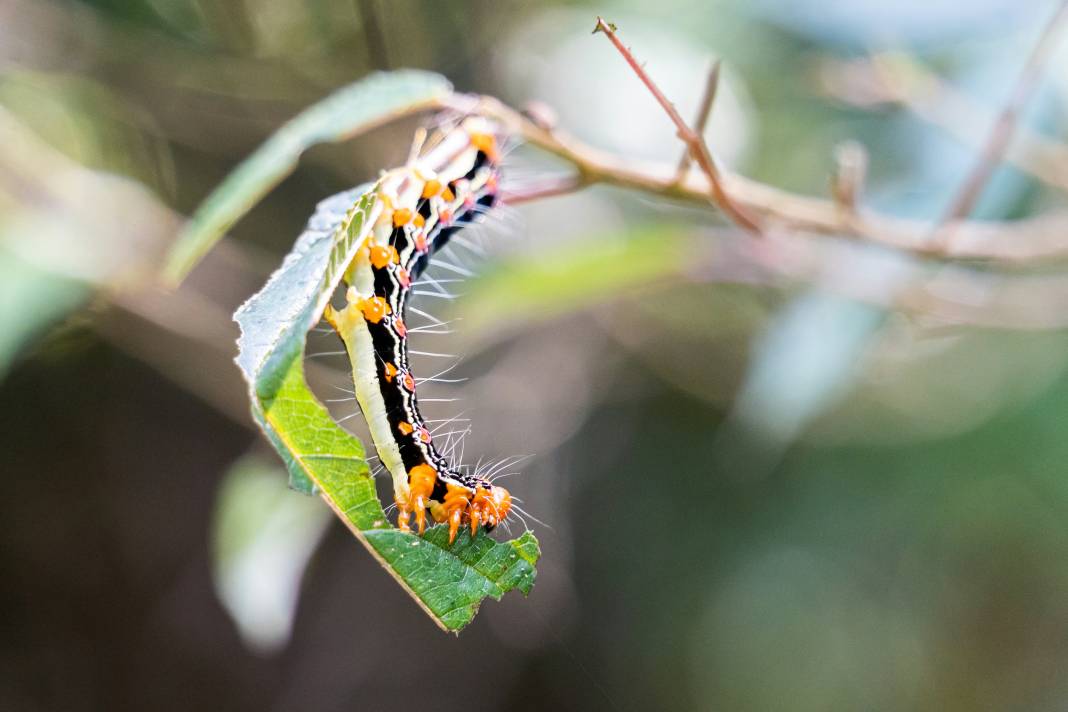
449, 582
374, 100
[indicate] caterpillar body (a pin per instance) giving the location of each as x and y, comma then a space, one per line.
418, 207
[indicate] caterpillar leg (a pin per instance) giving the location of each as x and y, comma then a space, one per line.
421, 479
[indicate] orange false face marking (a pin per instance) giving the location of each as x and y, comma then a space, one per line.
431, 188
382, 255
391, 372
401, 216
375, 309
405, 427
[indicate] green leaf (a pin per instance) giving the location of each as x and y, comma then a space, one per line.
449, 582
376, 99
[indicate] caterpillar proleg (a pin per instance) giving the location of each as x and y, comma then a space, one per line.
449, 181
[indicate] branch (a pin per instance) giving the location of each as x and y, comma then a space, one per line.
696, 143
998, 244
1001, 133
703, 114
902, 80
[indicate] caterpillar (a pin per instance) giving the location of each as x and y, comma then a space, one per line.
448, 182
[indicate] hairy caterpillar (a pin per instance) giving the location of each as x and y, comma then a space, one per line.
448, 182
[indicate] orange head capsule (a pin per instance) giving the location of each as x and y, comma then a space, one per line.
501, 500
492, 504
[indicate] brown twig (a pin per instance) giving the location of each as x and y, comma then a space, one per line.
1006, 245
704, 111
546, 189
1001, 133
696, 143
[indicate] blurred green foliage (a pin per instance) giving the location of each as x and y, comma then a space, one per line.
899, 546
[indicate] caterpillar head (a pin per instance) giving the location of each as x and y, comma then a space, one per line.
474, 503
491, 504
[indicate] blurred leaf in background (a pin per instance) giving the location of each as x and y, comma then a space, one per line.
262, 540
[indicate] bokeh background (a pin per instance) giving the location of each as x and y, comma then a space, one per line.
759, 492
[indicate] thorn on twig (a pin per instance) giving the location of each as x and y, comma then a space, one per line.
704, 111
850, 173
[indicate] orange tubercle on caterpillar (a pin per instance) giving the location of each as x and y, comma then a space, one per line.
382, 255
421, 479
391, 372
419, 221
401, 216
403, 278
399, 327
374, 309
431, 188
421, 244
486, 143
405, 427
